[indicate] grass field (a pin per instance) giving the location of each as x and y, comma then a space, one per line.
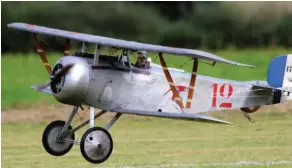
18, 73
142, 141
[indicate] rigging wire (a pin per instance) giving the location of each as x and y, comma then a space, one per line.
185, 62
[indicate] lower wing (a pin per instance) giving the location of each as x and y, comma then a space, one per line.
197, 117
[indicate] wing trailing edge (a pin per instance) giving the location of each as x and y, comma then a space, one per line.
184, 116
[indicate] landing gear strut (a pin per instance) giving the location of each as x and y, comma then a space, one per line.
96, 144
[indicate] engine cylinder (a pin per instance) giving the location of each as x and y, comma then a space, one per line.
72, 87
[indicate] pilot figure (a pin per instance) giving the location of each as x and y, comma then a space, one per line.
142, 59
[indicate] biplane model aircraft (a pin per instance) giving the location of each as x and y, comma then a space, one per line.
115, 84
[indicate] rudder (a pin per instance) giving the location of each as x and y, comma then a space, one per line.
279, 74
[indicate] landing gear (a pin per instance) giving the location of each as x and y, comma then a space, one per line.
249, 109
52, 144
96, 145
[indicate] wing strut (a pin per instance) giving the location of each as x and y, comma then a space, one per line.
41, 53
67, 47
192, 83
96, 54
170, 82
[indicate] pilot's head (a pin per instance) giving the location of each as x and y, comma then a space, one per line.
142, 58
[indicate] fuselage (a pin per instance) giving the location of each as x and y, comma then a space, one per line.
112, 84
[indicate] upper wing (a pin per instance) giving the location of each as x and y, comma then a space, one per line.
121, 43
198, 117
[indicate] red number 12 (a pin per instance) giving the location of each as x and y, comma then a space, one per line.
222, 88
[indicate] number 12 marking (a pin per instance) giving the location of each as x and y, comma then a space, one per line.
222, 88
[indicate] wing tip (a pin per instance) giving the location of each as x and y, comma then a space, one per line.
246, 65
213, 119
226, 122
15, 25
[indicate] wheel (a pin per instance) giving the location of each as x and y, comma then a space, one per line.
96, 145
50, 136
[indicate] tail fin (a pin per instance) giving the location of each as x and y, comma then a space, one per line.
279, 74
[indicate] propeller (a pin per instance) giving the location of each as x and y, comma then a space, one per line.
57, 76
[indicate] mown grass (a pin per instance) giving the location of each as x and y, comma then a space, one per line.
20, 71
144, 141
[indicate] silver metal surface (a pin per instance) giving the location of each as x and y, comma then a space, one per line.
52, 140
96, 54
97, 145
84, 47
91, 117
75, 85
139, 92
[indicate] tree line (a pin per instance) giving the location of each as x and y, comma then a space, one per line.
212, 25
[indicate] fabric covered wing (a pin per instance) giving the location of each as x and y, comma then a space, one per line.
197, 117
121, 43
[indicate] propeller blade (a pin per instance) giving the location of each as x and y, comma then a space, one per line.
63, 71
53, 78
41, 87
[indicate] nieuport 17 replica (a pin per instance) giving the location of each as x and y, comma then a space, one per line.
114, 84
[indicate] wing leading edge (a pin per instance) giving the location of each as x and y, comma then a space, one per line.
197, 117
121, 43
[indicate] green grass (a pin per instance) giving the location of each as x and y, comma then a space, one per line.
144, 141
19, 73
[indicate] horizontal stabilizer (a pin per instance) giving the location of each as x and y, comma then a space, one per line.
198, 117
46, 90
273, 88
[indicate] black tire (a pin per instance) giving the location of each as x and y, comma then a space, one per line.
82, 145
47, 143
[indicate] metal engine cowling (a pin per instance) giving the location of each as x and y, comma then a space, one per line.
72, 87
